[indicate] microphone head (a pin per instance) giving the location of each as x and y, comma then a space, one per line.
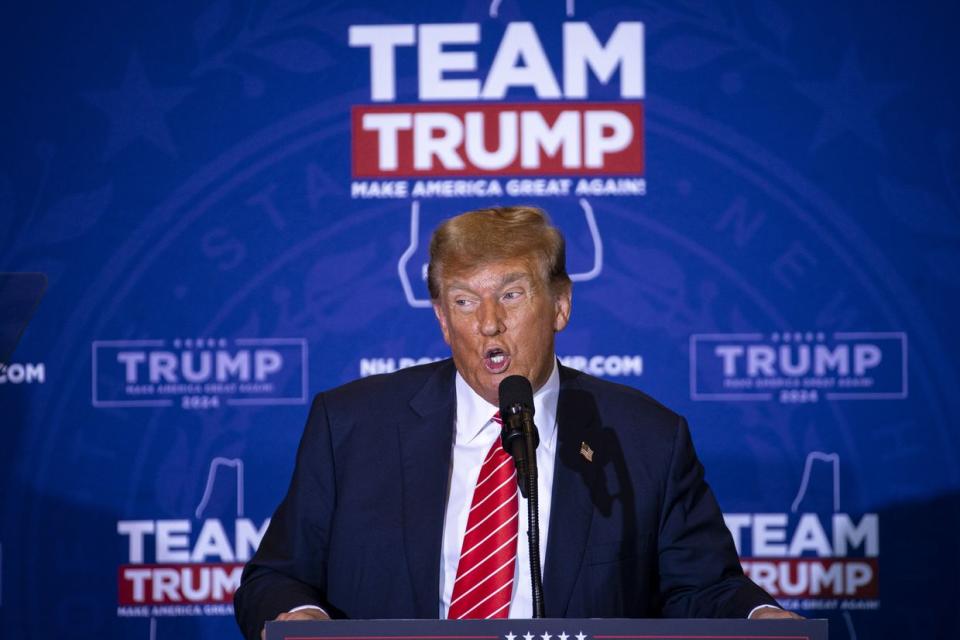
515, 390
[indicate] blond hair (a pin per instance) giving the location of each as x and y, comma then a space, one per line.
498, 233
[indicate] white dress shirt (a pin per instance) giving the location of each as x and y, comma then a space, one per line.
475, 432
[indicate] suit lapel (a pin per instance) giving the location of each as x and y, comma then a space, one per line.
425, 445
571, 505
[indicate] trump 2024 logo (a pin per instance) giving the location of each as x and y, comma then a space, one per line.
199, 373
799, 367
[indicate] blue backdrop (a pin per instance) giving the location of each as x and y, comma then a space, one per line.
231, 201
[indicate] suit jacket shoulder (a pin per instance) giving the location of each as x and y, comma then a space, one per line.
372, 462
656, 543
619, 402
385, 391
417, 390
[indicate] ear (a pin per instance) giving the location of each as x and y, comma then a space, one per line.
442, 319
562, 304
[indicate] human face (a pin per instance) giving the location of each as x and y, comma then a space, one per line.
499, 320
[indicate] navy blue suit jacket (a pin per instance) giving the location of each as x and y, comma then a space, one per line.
635, 532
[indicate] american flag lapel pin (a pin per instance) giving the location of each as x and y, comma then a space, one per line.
586, 451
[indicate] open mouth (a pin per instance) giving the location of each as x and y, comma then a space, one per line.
496, 360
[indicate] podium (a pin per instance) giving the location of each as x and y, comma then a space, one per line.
548, 629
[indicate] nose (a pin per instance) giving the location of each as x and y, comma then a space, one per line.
490, 318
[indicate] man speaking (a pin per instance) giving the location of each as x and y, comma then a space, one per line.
403, 503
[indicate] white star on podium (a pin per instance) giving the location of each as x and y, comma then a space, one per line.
563, 635
546, 636
510, 636
528, 636
580, 636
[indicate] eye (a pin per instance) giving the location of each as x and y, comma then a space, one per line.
463, 302
513, 294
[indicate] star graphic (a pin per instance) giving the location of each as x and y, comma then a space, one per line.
528, 636
849, 103
563, 635
581, 636
545, 635
510, 636
137, 110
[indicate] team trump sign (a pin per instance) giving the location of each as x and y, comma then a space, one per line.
461, 125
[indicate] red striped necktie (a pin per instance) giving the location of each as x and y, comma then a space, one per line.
484, 583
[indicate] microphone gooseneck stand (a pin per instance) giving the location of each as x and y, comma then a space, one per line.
520, 439
530, 441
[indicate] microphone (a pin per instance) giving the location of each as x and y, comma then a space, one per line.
520, 439
516, 412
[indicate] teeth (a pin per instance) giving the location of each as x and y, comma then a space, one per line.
497, 359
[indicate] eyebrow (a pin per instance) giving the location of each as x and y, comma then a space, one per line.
514, 276
508, 278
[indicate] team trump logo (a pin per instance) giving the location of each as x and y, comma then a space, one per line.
460, 125
816, 556
176, 567
798, 367
190, 566
201, 373
812, 561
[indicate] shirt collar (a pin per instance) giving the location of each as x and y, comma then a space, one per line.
474, 413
